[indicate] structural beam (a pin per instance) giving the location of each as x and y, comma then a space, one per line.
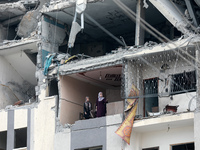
191, 12
139, 31
172, 14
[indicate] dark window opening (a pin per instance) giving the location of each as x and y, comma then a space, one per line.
92, 148
3, 140
153, 148
183, 82
21, 138
188, 146
53, 87
150, 95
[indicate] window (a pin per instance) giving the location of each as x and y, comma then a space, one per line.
183, 82
153, 148
93, 148
20, 138
3, 139
186, 146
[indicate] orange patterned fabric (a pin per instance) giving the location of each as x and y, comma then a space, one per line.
124, 131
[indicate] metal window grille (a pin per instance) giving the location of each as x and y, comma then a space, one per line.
183, 82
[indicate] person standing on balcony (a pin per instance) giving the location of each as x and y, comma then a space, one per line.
101, 105
87, 108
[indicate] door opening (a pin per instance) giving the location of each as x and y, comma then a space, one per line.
150, 95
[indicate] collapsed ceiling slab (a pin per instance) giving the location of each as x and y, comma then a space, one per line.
17, 46
121, 54
10, 10
60, 5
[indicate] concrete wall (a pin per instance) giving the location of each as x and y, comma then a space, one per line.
53, 34
163, 138
115, 108
75, 91
20, 119
43, 124
97, 132
63, 140
15, 84
136, 76
8, 73
113, 95
180, 99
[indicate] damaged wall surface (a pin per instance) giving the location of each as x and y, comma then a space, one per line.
11, 85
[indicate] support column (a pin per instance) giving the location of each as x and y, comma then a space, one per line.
30, 123
139, 31
191, 11
10, 130
197, 111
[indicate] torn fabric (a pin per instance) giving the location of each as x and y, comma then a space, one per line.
124, 131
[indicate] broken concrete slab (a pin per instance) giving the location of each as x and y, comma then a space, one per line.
57, 5
28, 23
10, 10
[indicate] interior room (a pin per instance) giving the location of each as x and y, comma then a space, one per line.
75, 87
93, 41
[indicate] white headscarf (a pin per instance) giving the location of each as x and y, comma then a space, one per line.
100, 98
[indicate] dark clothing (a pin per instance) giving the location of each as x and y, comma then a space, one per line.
101, 107
86, 109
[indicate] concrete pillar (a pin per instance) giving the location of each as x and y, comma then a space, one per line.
10, 130
3, 32
30, 130
139, 31
197, 112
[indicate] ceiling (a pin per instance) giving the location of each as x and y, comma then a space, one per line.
110, 16
106, 78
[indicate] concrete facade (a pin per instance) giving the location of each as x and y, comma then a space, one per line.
110, 54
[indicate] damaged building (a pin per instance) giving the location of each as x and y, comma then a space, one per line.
54, 53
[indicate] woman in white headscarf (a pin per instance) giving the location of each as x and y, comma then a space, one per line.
101, 105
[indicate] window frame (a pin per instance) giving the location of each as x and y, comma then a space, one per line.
180, 144
151, 148
182, 91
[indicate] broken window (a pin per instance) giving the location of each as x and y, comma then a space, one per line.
183, 82
187, 146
